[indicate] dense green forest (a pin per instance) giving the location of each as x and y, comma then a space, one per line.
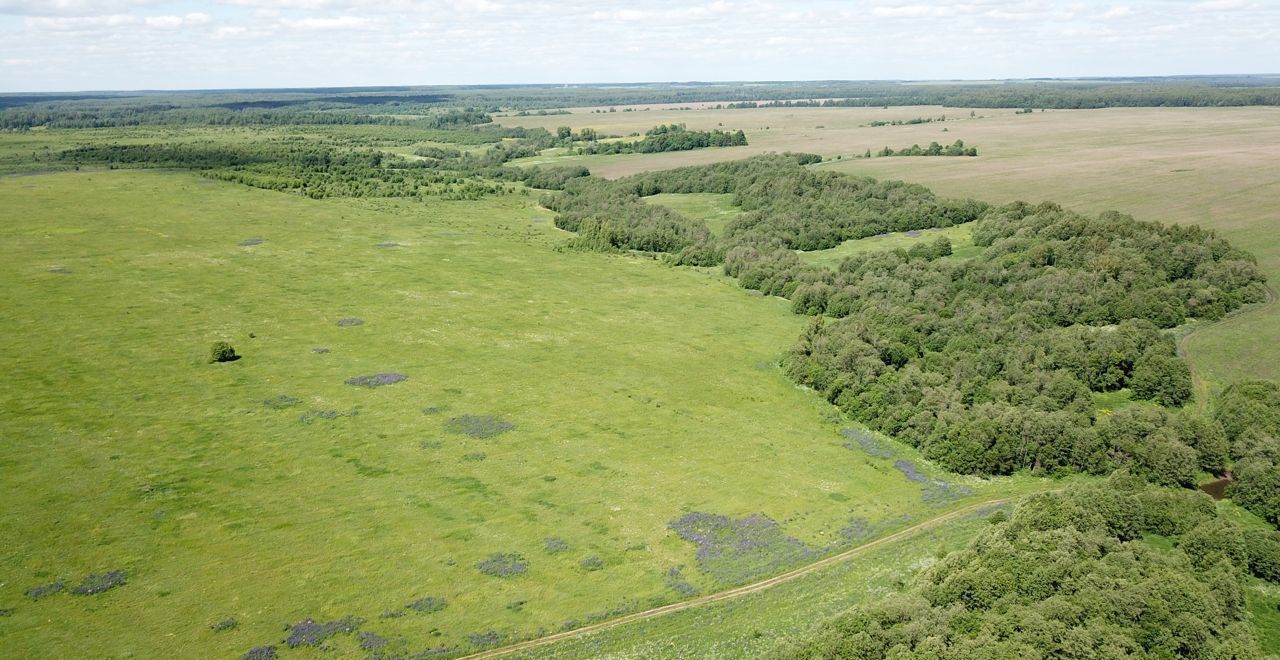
1072, 575
989, 364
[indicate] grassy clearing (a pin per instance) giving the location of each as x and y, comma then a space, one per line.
961, 237
715, 210
580, 398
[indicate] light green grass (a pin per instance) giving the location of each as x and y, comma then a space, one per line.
961, 237
639, 393
753, 624
715, 210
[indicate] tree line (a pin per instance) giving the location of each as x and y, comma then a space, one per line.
674, 137
319, 168
1071, 575
988, 365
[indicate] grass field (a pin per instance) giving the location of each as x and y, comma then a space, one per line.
755, 623
1216, 167
961, 237
269, 491
715, 210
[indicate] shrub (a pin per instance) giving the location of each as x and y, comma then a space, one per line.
591, 563
221, 351
224, 625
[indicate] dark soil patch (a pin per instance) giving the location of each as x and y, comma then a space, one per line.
349, 322
1217, 489
478, 426
250, 242
503, 565
737, 551
310, 633
377, 380
45, 590
97, 583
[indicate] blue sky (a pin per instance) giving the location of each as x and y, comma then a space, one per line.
48, 45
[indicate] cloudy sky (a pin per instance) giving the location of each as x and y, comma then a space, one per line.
48, 45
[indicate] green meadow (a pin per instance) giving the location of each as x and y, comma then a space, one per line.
559, 409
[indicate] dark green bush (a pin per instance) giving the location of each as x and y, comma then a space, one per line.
221, 351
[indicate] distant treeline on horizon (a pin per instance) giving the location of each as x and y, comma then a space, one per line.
374, 104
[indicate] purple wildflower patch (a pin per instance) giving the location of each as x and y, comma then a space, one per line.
866, 442
97, 583
45, 590
428, 604
503, 565
478, 426
267, 652
736, 551
310, 633
349, 322
377, 380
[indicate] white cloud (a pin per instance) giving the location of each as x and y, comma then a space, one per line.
132, 43
1116, 12
79, 23
71, 7
1220, 5
330, 23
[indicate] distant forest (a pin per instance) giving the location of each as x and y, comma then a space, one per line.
395, 105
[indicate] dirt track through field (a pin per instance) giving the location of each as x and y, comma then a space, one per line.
739, 591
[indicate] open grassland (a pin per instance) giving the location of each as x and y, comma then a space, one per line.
560, 410
1216, 167
827, 131
961, 237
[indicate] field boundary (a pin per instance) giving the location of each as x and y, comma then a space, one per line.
743, 590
